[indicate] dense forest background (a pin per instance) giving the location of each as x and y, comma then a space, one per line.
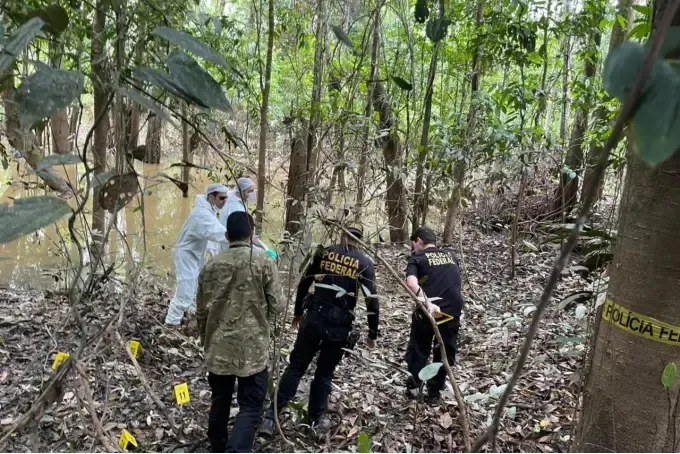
500, 123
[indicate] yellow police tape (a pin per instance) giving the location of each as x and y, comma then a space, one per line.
442, 317
640, 325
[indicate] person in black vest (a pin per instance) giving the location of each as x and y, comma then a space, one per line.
324, 318
433, 274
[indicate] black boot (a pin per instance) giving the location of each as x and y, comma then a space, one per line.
320, 425
268, 425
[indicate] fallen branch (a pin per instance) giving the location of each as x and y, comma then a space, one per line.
145, 383
588, 198
87, 392
456, 390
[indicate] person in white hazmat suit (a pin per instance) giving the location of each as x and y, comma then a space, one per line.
201, 226
237, 200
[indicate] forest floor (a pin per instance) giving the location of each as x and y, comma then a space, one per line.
368, 394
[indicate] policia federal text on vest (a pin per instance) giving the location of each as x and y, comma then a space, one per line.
339, 272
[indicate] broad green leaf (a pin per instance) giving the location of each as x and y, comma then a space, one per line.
163, 80
669, 375
197, 82
436, 29
19, 42
401, 83
45, 92
422, 12
58, 159
656, 122
29, 214
428, 372
642, 9
55, 17
364, 444
640, 31
100, 178
342, 36
143, 101
191, 44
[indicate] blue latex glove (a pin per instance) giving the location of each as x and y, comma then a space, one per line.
272, 253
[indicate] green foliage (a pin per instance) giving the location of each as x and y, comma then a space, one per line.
343, 38
669, 375
29, 214
146, 103
197, 82
18, 42
436, 29
364, 443
47, 91
428, 372
401, 83
422, 12
656, 120
58, 159
55, 17
191, 44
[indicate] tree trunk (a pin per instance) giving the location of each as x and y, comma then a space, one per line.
73, 126
626, 407
101, 130
543, 100
419, 196
368, 113
61, 143
624, 9
264, 124
396, 198
315, 109
566, 54
153, 140
454, 204
295, 190
186, 150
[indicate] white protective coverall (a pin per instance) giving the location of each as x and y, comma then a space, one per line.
200, 227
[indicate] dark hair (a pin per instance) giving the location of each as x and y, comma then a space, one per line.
239, 226
424, 233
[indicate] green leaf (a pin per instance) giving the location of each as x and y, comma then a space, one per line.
101, 178
669, 375
428, 372
58, 159
342, 37
422, 12
642, 9
143, 101
45, 92
163, 80
640, 31
401, 83
29, 214
55, 17
436, 29
656, 122
191, 44
19, 42
197, 82
364, 444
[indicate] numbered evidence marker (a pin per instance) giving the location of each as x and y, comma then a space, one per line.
442, 317
181, 393
60, 358
135, 348
126, 439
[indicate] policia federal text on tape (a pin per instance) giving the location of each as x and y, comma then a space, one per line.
432, 272
339, 272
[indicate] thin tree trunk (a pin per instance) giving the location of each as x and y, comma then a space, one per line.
626, 407
544, 75
264, 124
61, 143
101, 131
295, 190
186, 150
153, 140
120, 111
566, 55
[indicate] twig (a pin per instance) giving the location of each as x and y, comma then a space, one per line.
87, 392
626, 112
459, 397
145, 383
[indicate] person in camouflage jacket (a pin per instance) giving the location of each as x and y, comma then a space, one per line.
239, 295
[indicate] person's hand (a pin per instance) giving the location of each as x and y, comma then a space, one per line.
370, 343
433, 309
295, 324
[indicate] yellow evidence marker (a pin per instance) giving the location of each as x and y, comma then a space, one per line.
135, 348
126, 439
60, 358
181, 394
442, 317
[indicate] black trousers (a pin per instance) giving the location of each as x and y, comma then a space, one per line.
420, 345
250, 396
318, 333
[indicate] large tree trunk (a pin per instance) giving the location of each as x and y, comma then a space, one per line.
396, 195
264, 124
626, 407
624, 9
453, 208
101, 130
153, 139
295, 190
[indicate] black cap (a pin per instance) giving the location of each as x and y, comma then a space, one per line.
355, 229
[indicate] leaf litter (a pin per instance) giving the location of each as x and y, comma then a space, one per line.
368, 394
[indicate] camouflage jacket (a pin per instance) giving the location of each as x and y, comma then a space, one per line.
238, 297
